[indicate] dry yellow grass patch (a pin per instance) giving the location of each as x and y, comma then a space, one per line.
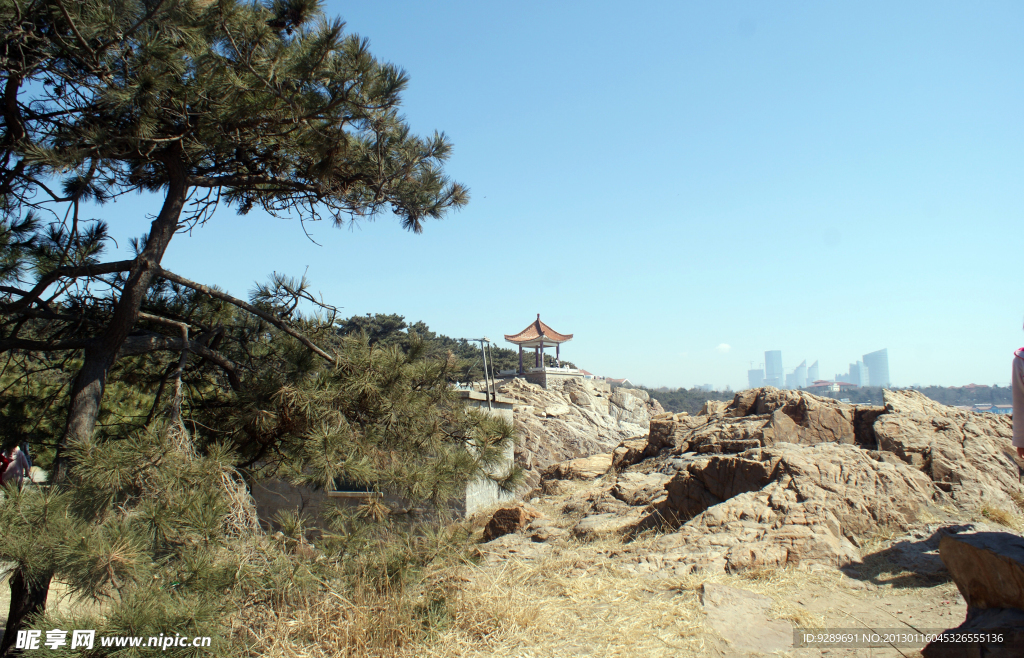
578, 599
1002, 517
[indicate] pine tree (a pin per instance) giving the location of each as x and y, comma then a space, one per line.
201, 102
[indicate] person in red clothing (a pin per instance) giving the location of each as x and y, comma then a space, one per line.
15, 466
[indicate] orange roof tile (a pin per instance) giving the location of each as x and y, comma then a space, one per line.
538, 329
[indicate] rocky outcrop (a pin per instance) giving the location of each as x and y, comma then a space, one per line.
862, 493
784, 505
967, 454
759, 418
778, 478
574, 419
584, 468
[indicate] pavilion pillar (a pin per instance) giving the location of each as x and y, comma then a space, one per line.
520, 359
558, 357
536, 357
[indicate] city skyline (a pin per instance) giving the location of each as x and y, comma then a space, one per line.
860, 373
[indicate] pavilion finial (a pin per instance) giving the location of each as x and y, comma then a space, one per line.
538, 316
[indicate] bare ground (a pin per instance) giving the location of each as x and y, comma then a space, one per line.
574, 598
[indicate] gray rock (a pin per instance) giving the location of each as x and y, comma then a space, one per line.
585, 468
603, 525
556, 410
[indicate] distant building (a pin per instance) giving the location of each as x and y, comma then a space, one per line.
858, 374
1002, 409
823, 386
878, 368
755, 378
812, 373
705, 387
773, 373
800, 375
619, 382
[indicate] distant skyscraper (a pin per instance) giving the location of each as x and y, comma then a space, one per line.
773, 373
878, 367
755, 378
800, 375
812, 373
858, 374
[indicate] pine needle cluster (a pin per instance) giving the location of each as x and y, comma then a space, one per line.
137, 534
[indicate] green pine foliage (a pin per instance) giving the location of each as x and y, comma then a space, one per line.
142, 531
138, 535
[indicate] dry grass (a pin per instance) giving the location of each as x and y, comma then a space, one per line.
1002, 517
330, 624
1017, 499
575, 599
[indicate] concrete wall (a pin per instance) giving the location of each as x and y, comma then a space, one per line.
272, 496
550, 378
484, 493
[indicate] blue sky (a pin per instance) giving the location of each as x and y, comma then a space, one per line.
686, 185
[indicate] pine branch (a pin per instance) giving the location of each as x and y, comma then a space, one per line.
269, 317
64, 272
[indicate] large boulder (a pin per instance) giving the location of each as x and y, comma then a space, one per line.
988, 569
507, 520
864, 494
784, 505
628, 407
968, 454
572, 420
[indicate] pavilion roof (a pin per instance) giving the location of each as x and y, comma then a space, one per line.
536, 331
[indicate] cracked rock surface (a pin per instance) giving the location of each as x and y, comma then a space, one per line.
783, 478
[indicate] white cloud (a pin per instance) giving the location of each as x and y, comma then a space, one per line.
723, 348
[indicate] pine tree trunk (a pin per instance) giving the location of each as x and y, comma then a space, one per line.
87, 390
26, 599
89, 384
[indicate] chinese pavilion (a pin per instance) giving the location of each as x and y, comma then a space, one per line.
539, 336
